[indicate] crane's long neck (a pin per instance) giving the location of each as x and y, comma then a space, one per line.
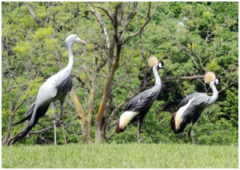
215, 93
70, 62
158, 82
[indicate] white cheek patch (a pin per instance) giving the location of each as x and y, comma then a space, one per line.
126, 118
178, 118
216, 81
160, 65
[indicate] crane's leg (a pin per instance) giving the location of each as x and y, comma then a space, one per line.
192, 133
54, 123
61, 121
139, 130
189, 133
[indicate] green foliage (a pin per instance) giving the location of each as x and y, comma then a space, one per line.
212, 66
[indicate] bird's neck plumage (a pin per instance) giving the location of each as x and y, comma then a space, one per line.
70, 62
158, 82
214, 97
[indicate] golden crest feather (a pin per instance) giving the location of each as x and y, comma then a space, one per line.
209, 76
152, 61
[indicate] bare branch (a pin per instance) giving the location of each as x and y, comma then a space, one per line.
20, 104
19, 94
44, 138
204, 45
53, 24
130, 17
111, 134
34, 16
103, 25
180, 88
191, 57
7, 91
42, 130
80, 80
182, 78
142, 26
36, 132
105, 11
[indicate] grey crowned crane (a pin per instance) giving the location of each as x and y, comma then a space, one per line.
191, 107
55, 88
137, 107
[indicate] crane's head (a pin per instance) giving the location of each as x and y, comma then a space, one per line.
161, 65
210, 77
217, 81
153, 61
71, 39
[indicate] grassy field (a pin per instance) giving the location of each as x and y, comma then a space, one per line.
120, 156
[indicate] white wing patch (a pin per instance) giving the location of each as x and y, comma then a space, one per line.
48, 87
53, 92
178, 118
126, 118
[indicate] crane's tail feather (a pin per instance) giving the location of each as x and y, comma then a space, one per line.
23, 120
172, 124
172, 121
119, 129
29, 112
33, 121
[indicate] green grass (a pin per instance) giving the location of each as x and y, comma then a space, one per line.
120, 156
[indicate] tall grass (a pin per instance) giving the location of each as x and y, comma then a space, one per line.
120, 156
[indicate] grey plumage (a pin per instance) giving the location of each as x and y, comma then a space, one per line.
190, 109
137, 107
55, 88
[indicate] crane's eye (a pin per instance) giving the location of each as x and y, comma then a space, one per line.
75, 36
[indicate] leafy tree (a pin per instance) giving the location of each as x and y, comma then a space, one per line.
189, 37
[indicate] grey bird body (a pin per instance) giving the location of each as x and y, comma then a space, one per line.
143, 101
190, 109
137, 107
55, 88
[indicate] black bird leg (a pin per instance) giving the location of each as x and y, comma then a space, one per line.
139, 130
189, 133
61, 122
54, 123
192, 133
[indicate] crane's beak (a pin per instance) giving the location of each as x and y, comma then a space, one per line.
82, 41
219, 84
164, 67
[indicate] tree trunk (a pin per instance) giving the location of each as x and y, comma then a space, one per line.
8, 130
86, 130
98, 132
99, 135
84, 120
